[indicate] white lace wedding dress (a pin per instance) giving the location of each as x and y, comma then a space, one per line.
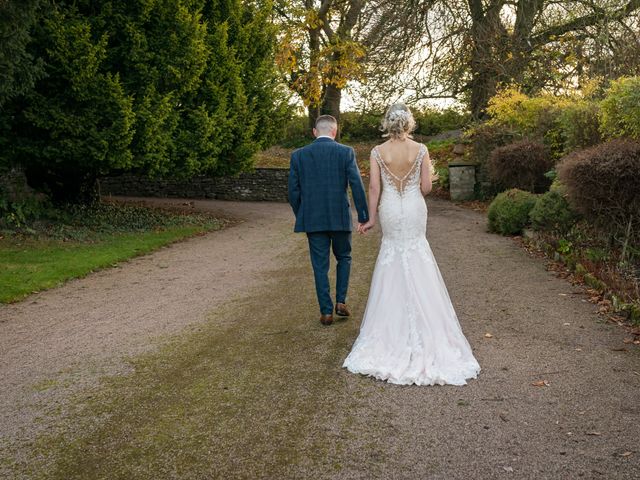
410, 332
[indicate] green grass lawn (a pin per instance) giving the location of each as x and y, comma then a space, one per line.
70, 242
31, 265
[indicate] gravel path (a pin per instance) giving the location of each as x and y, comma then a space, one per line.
295, 413
58, 342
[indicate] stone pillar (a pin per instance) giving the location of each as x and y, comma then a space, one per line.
462, 181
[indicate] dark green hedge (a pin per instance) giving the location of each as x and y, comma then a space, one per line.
167, 87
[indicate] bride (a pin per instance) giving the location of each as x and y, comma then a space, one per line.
410, 332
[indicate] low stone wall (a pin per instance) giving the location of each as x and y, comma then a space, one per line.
263, 184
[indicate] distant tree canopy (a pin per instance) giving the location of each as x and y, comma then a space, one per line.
466, 49
322, 46
164, 87
453, 49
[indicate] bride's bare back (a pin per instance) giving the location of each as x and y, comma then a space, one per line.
399, 155
399, 160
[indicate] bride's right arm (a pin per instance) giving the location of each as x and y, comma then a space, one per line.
425, 175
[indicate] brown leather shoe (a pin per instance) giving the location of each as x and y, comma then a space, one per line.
342, 310
326, 319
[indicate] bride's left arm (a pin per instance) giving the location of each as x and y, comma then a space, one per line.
425, 175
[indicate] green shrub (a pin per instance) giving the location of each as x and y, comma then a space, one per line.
19, 204
443, 176
603, 184
360, 126
532, 117
527, 115
296, 132
621, 109
521, 164
483, 138
552, 213
579, 125
366, 126
509, 212
431, 122
558, 187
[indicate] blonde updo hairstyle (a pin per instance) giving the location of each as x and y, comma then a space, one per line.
398, 122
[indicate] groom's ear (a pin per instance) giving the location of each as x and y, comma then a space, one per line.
315, 132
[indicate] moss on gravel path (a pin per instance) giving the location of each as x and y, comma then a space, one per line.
246, 394
258, 392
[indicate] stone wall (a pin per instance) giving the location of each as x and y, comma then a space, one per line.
263, 184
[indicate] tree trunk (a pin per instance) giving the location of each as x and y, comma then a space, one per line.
487, 59
314, 113
331, 104
483, 87
314, 60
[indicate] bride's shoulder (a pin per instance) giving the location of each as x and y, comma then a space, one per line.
377, 148
420, 146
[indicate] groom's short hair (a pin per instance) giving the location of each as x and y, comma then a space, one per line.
326, 123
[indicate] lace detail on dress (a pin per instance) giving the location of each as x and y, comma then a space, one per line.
390, 251
409, 179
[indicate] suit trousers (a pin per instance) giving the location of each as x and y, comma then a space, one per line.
320, 245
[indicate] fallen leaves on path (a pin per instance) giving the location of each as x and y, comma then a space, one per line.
541, 383
488, 335
594, 433
476, 205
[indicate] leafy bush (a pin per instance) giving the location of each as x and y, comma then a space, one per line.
621, 108
431, 122
579, 125
530, 117
557, 186
19, 204
603, 184
360, 126
18, 214
483, 138
443, 176
366, 126
552, 212
509, 212
522, 165
79, 222
295, 133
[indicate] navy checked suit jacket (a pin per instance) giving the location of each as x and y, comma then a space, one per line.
318, 179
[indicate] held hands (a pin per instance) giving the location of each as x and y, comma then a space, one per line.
363, 228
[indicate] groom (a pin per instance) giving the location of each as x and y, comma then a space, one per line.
318, 179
